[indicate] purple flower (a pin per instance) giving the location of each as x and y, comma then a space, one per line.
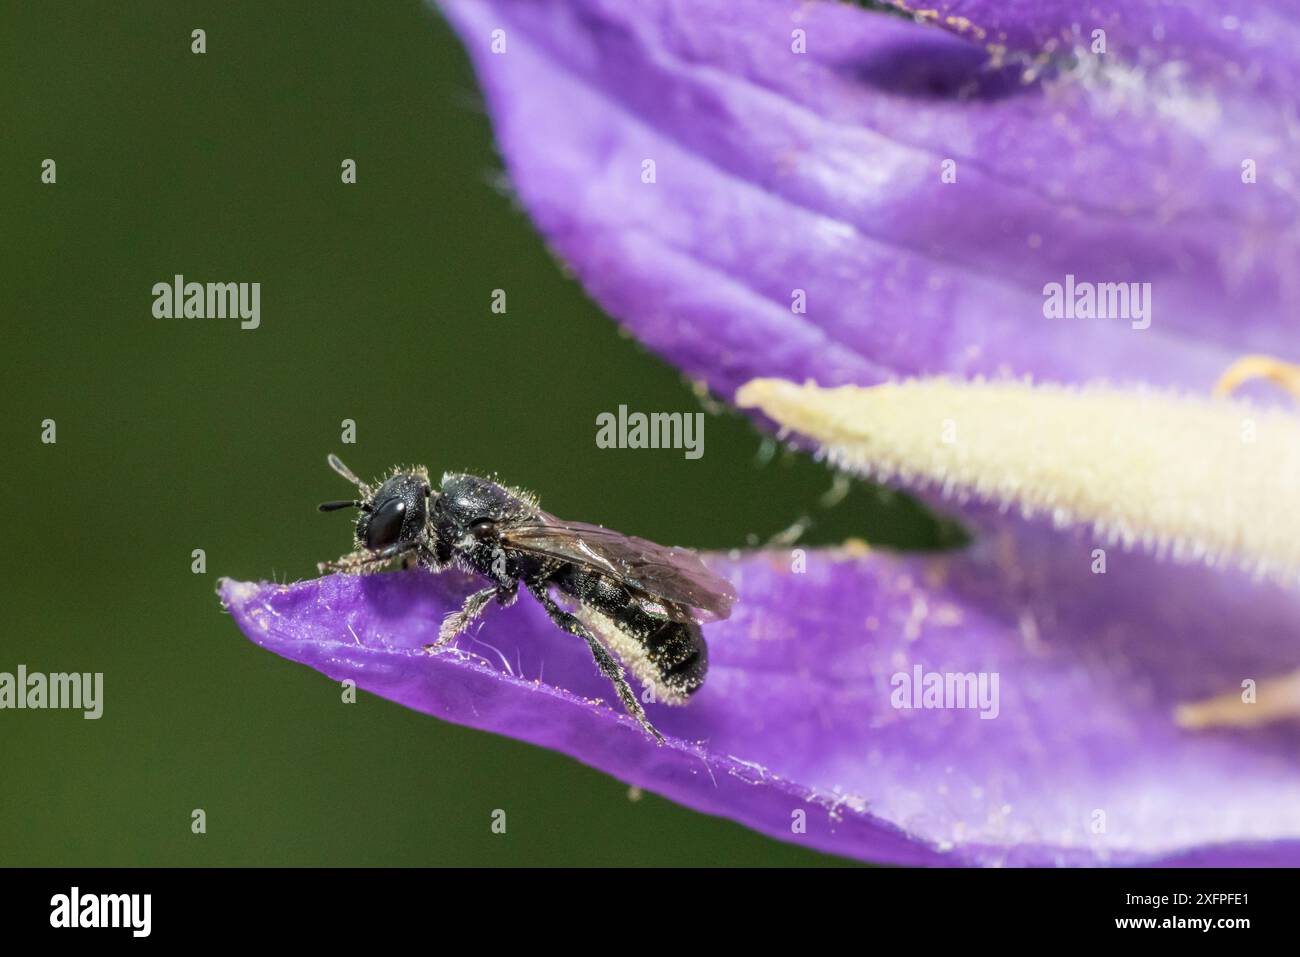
785, 191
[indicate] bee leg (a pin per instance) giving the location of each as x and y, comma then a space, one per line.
610, 668
420, 555
354, 563
458, 621
506, 594
363, 561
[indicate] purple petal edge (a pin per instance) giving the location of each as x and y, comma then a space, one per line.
796, 713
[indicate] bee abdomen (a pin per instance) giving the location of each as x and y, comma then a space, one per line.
668, 655
679, 655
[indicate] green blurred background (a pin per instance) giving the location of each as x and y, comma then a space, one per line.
183, 434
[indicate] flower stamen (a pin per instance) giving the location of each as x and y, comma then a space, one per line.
1189, 478
1248, 368
1274, 699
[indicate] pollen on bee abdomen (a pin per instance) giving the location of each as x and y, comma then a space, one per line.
1208, 479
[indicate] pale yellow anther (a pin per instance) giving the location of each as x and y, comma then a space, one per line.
1248, 368
1276, 699
1190, 478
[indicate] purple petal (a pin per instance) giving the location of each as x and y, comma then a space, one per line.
796, 714
777, 171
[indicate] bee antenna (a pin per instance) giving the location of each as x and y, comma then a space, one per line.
337, 465
335, 506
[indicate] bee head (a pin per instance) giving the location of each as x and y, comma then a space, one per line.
393, 514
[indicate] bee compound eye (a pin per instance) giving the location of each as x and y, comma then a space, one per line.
385, 524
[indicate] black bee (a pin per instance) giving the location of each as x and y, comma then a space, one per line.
632, 599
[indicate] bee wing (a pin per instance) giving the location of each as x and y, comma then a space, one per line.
673, 575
